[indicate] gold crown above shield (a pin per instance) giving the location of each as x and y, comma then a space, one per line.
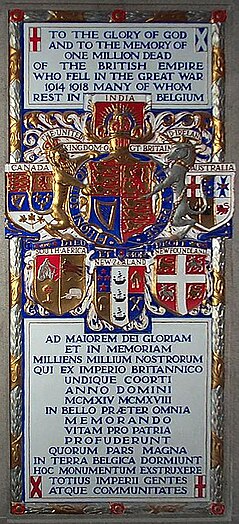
118, 120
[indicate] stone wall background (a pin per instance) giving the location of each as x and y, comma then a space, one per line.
232, 259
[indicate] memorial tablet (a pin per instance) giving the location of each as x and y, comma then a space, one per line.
118, 206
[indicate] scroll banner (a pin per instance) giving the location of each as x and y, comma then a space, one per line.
118, 205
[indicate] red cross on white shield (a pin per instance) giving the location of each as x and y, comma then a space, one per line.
194, 186
200, 486
34, 39
180, 281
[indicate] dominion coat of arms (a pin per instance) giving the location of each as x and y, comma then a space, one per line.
117, 194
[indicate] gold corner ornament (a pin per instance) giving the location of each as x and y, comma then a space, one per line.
16, 451
15, 290
14, 64
216, 451
218, 296
15, 134
14, 79
218, 63
217, 371
169, 16
15, 367
165, 508
66, 16
77, 509
219, 135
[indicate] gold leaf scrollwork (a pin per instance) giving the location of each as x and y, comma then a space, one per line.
16, 451
217, 371
219, 135
15, 371
169, 16
65, 16
165, 508
217, 450
218, 63
218, 296
14, 64
14, 134
15, 288
79, 509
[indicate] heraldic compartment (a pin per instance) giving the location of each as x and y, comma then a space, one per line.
118, 207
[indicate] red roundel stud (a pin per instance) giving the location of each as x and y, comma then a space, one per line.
217, 508
117, 508
219, 16
17, 15
18, 508
118, 15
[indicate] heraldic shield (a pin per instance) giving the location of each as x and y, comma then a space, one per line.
118, 181
60, 282
116, 186
217, 189
180, 281
119, 293
29, 196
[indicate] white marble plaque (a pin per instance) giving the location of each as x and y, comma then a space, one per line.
118, 204
67, 62
115, 413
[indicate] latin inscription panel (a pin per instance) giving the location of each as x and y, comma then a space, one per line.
121, 412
